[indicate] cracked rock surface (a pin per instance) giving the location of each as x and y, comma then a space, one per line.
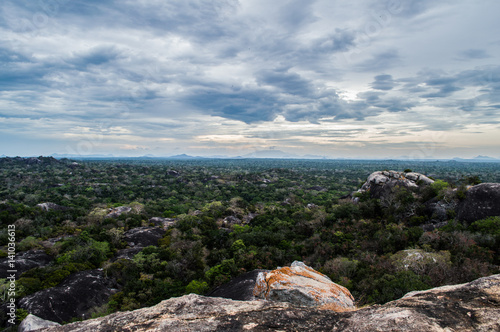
474, 306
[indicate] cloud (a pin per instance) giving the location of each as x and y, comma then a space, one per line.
95, 56
383, 82
169, 71
285, 81
381, 61
473, 54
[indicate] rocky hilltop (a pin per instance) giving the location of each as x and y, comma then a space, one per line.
480, 201
474, 306
381, 183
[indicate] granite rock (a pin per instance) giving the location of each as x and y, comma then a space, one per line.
301, 285
474, 306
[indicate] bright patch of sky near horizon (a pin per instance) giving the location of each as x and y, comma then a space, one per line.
371, 79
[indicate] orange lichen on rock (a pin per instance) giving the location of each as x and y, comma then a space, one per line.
302, 285
334, 307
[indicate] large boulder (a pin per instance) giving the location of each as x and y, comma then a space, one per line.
468, 307
34, 323
301, 285
25, 261
139, 238
143, 236
74, 297
481, 201
381, 183
240, 288
163, 222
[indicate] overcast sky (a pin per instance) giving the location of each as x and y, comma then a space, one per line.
375, 79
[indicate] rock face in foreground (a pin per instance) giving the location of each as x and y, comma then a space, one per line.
72, 298
381, 183
468, 307
33, 323
301, 285
481, 201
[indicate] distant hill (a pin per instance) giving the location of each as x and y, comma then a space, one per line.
477, 159
484, 158
183, 157
270, 154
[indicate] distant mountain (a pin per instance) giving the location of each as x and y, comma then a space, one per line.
484, 158
269, 154
313, 156
3, 156
183, 157
477, 159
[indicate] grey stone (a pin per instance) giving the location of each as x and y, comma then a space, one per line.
25, 261
381, 183
143, 236
163, 222
118, 211
74, 297
481, 201
34, 323
474, 306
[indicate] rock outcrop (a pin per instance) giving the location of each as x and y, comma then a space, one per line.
143, 236
163, 222
301, 285
474, 306
481, 201
74, 297
25, 261
34, 323
51, 206
139, 238
118, 211
381, 183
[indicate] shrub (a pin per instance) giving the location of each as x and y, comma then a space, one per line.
197, 287
221, 273
28, 243
490, 225
392, 287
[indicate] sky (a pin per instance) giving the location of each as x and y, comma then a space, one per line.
342, 79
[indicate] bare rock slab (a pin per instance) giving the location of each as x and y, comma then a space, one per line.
74, 297
474, 306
